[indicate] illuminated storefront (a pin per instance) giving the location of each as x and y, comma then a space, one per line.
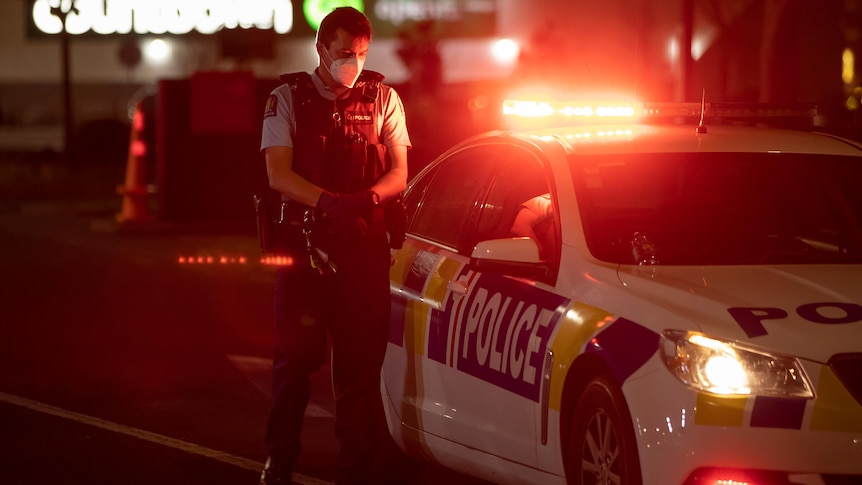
118, 47
473, 18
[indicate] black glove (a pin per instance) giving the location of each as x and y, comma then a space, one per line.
346, 210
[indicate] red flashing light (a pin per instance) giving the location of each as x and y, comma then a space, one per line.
545, 109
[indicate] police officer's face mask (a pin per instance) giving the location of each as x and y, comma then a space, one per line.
345, 70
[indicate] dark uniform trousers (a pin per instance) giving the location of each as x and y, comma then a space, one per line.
352, 306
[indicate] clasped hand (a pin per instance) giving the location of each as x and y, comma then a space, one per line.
345, 211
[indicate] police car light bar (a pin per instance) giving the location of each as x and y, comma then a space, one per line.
548, 112
544, 109
738, 111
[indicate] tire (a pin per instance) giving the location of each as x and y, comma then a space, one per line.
602, 449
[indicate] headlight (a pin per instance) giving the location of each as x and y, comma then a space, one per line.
732, 368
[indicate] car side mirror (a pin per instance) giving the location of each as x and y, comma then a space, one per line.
516, 256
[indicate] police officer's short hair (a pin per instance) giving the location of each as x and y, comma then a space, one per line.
351, 20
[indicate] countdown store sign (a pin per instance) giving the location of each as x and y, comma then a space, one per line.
164, 16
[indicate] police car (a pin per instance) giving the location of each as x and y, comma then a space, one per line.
686, 307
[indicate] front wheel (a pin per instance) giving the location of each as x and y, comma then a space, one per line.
602, 448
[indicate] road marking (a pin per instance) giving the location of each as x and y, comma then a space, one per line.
156, 438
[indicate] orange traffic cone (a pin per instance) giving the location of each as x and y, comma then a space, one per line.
136, 191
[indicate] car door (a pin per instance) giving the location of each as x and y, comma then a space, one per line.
470, 345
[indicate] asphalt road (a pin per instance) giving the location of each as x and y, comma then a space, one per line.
127, 357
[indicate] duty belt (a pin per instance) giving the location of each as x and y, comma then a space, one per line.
292, 213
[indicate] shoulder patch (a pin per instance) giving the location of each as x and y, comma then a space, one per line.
271, 106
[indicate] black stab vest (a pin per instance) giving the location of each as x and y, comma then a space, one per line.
337, 146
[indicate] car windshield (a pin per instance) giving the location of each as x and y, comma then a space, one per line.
720, 208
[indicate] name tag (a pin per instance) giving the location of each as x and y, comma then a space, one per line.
357, 118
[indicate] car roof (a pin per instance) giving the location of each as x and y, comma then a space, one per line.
649, 138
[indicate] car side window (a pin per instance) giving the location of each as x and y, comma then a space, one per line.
442, 211
519, 204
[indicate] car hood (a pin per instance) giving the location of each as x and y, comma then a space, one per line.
812, 312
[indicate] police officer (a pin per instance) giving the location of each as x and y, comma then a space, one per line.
335, 143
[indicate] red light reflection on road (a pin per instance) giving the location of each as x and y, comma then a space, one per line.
277, 261
212, 260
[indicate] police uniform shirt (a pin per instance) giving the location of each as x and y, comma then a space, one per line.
279, 123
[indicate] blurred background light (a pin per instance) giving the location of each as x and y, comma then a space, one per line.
157, 51
505, 51
848, 65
